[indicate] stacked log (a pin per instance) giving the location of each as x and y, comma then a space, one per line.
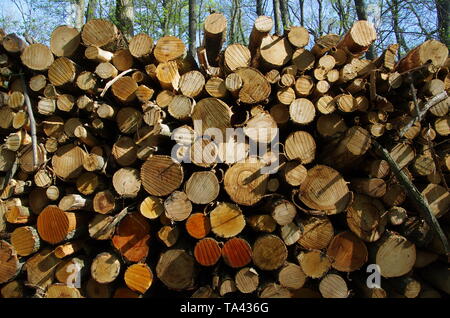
119, 176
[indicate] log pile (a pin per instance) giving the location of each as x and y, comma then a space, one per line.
118, 178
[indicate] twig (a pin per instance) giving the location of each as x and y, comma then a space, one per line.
436, 161
421, 113
414, 96
32, 121
109, 84
415, 195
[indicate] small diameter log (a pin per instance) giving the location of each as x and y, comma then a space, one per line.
176, 269
13, 44
122, 60
247, 280
144, 93
124, 89
286, 95
181, 107
298, 36
62, 291
395, 195
291, 276
177, 206
87, 183
438, 199
366, 218
290, 233
207, 251
405, 286
202, 187
41, 267
73, 202
333, 286
214, 28
303, 59
169, 235
294, 173
212, 113
236, 55
437, 275
18, 215
396, 215
96, 290
236, 252
169, 48
377, 168
302, 111
198, 225
104, 202
97, 54
334, 196
68, 248
273, 290
132, 236
394, 254
52, 193
304, 85
191, 84
216, 87
168, 76
373, 187
261, 28
67, 162
38, 82
124, 151
431, 51
37, 57
126, 182
282, 211
151, 207
9, 262
138, 278
141, 46
347, 252
275, 51
359, 38
161, 175
106, 70
128, 120
55, 225
255, 88
269, 252
25, 240
314, 263
227, 220
105, 268
360, 281
300, 145
13, 289
315, 232
99, 33
70, 271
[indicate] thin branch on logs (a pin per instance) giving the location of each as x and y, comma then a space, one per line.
32, 120
415, 195
421, 113
111, 82
436, 161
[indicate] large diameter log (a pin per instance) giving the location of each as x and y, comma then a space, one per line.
275, 51
347, 252
132, 236
211, 113
394, 254
269, 252
333, 286
67, 162
99, 33
177, 206
9, 262
176, 269
169, 48
37, 57
54, 225
255, 88
64, 41
431, 51
62, 71
315, 232
236, 55
25, 240
325, 191
202, 187
105, 268
161, 175
126, 182
314, 263
246, 183
138, 277
292, 276
298, 36
237, 252
358, 39
207, 251
141, 46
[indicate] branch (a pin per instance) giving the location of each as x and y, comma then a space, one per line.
109, 84
415, 195
32, 121
433, 101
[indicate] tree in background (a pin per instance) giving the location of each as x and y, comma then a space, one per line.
125, 17
79, 13
192, 27
259, 8
277, 16
284, 8
443, 20
91, 8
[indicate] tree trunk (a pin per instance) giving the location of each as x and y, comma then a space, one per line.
90, 11
302, 15
125, 17
277, 16
192, 27
285, 14
79, 14
319, 31
397, 30
443, 20
360, 6
259, 8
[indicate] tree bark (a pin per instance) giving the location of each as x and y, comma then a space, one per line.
125, 17
90, 11
192, 27
397, 30
443, 20
259, 8
277, 16
302, 15
360, 6
320, 30
285, 14
79, 14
